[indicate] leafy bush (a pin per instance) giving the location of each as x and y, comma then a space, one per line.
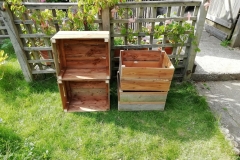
7, 47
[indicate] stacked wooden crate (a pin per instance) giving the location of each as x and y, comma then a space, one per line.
82, 64
144, 80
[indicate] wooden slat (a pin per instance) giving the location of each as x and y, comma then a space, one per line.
139, 55
88, 85
144, 64
141, 106
81, 35
37, 48
198, 32
151, 20
43, 71
63, 94
146, 73
160, 3
86, 64
88, 106
85, 74
143, 96
144, 85
32, 5
40, 60
87, 92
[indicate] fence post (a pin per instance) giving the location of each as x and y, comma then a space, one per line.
106, 19
16, 42
198, 33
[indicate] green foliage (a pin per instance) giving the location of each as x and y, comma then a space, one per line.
225, 43
177, 33
118, 41
3, 57
81, 18
7, 47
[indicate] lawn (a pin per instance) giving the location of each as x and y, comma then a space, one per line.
34, 126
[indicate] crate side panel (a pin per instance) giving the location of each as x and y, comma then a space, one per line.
88, 106
146, 73
141, 55
88, 85
144, 85
88, 96
63, 94
83, 74
140, 106
96, 63
142, 96
86, 53
152, 64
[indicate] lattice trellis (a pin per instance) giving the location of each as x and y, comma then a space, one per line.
137, 17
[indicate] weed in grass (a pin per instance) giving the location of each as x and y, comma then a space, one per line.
32, 116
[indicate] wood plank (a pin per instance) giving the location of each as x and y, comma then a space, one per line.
153, 20
160, 3
85, 74
87, 92
88, 85
146, 73
166, 62
106, 19
81, 98
87, 106
142, 96
63, 95
55, 57
141, 106
235, 40
34, 5
144, 85
140, 55
216, 32
135, 64
81, 35
198, 33
87, 64
220, 21
43, 71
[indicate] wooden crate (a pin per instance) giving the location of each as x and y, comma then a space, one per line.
82, 55
145, 71
140, 101
82, 96
82, 64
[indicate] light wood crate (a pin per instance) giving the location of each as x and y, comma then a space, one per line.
145, 71
82, 55
140, 101
82, 64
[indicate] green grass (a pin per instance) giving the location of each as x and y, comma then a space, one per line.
34, 126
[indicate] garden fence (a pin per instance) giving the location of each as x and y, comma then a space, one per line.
136, 19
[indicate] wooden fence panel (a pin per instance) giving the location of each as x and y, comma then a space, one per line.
139, 20
133, 19
222, 19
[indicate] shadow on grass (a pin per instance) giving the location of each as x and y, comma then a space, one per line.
13, 147
186, 116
